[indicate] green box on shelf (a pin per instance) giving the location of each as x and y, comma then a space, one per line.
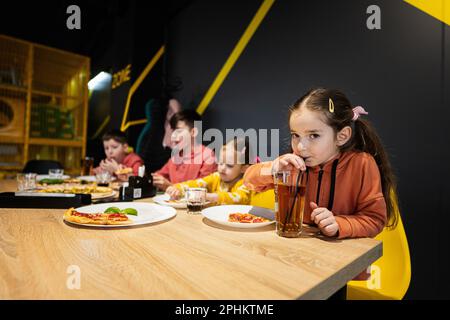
50, 122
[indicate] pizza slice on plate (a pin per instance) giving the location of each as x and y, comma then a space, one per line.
101, 218
245, 218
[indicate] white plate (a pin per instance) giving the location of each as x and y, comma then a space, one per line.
104, 195
147, 213
219, 214
163, 199
87, 178
39, 177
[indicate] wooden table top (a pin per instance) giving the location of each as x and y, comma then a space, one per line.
186, 257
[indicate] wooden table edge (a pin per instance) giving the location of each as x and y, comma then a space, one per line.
344, 275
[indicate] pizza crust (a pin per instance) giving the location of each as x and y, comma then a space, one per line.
95, 191
124, 171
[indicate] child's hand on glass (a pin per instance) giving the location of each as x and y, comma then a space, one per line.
325, 220
288, 162
174, 193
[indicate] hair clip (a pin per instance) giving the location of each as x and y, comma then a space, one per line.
330, 105
357, 112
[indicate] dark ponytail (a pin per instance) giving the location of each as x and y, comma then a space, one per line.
367, 140
364, 138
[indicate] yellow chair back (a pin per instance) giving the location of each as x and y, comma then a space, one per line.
264, 199
391, 274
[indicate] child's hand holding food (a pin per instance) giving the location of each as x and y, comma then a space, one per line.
212, 197
109, 165
160, 182
174, 193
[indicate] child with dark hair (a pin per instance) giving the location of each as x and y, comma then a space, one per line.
190, 160
119, 160
226, 185
351, 187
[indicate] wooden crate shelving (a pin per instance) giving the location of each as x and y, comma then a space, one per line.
43, 104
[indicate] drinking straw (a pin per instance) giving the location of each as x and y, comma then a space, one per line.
288, 217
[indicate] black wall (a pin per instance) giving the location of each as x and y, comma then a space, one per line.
400, 74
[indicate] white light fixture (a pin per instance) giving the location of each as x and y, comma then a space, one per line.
99, 80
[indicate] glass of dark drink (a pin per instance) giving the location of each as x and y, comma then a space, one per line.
103, 178
195, 200
290, 191
87, 165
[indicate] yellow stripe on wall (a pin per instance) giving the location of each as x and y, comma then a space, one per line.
125, 125
101, 127
238, 49
439, 9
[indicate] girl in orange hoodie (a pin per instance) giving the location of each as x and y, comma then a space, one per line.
350, 180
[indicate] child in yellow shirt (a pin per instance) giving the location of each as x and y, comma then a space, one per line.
226, 185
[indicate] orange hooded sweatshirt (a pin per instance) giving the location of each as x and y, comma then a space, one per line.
358, 203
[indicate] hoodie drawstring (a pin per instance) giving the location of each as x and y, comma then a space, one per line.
332, 184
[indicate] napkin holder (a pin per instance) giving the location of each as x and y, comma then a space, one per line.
138, 187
